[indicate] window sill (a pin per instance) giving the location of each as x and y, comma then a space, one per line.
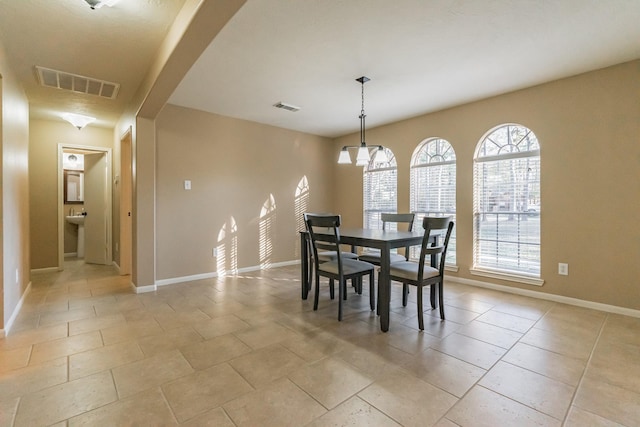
511, 277
453, 268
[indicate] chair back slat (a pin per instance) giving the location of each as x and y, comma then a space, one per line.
324, 232
403, 218
441, 226
399, 218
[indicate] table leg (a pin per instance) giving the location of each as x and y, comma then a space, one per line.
384, 289
304, 265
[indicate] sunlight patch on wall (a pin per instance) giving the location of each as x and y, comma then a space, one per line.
267, 231
301, 205
227, 260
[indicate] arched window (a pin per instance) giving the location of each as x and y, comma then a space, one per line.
506, 202
433, 186
380, 190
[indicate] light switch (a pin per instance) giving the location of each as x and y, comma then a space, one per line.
187, 184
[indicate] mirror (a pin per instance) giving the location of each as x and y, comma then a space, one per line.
73, 187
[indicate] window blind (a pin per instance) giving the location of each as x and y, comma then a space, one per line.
507, 202
433, 187
379, 190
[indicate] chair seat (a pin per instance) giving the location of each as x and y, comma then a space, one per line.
409, 270
349, 267
374, 258
331, 256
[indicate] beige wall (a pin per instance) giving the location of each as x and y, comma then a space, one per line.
234, 167
45, 135
14, 187
588, 129
192, 31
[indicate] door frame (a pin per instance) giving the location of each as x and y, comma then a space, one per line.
126, 202
61, 213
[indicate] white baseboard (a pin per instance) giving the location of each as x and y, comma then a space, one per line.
7, 328
549, 297
143, 289
174, 280
45, 270
70, 254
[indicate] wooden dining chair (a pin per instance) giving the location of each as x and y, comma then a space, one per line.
421, 273
322, 256
390, 218
324, 232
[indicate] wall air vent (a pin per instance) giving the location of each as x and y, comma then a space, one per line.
288, 107
75, 83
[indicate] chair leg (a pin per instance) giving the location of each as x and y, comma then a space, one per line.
317, 293
433, 297
344, 293
372, 295
332, 292
378, 299
441, 298
420, 309
341, 288
405, 293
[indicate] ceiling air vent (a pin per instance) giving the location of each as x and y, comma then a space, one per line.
75, 83
288, 107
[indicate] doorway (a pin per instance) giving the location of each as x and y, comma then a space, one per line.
85, 202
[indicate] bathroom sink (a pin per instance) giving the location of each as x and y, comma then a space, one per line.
76, 219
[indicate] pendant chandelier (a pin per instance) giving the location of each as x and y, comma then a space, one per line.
362, 158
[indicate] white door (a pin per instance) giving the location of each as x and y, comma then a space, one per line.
95, 206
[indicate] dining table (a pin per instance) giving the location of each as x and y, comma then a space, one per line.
383, 240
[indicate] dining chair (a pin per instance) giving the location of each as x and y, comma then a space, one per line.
324, 232
323, 256
422, 274
389, 218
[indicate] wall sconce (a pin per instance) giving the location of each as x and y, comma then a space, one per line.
78, 120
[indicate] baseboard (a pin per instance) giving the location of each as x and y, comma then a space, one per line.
7, 328
143, 289
115, 264
70, 254
183, 279
549, 297
45, 270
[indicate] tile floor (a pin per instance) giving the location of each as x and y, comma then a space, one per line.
247, 351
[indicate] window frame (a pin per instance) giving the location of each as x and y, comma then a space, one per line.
374, 167
432, 163
481, 208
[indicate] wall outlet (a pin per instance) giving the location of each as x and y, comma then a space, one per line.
214, 252
563, 269
187, 184
116, 246
17, 277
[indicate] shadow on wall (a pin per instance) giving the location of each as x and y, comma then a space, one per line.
226, 251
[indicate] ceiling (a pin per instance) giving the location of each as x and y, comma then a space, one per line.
421, 56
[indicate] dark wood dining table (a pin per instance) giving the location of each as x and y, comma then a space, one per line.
385, 241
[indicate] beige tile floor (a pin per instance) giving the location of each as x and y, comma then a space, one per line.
247, 351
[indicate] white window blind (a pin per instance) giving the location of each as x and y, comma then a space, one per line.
433, 186
507, 202
380, 194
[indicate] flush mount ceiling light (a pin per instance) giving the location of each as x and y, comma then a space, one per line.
97, 4
362, 158
78, 120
